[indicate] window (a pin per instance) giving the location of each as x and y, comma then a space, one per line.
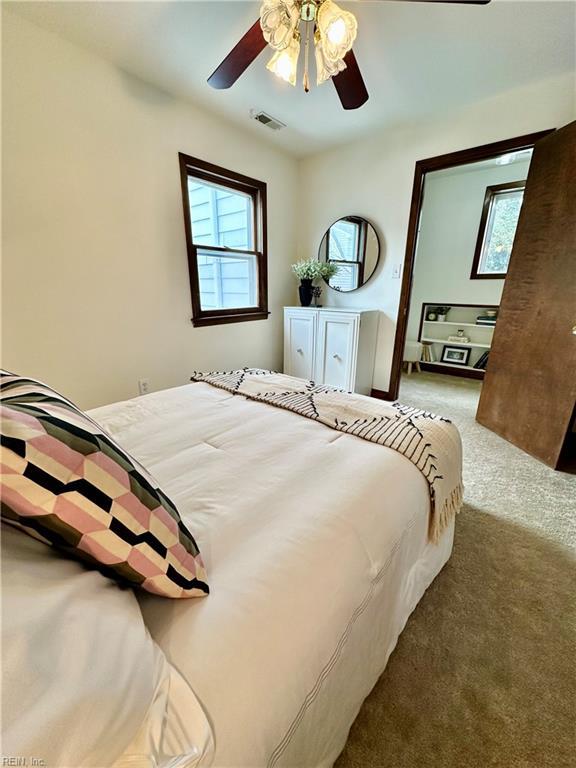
347, 249
502, 204
225, 223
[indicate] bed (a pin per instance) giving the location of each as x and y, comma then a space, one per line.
317, 548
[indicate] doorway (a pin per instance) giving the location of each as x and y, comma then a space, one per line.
464, 206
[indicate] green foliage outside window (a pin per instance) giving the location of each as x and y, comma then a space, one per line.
503, 219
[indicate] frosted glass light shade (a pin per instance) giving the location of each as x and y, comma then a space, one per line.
284, 63
325, 69
278, 20
337, 30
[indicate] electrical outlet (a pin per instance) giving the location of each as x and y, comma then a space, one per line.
396, 271
143, 386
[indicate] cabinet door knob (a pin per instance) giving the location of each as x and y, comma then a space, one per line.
300, 351
336, 357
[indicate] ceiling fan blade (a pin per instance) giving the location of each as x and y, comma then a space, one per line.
350, 85
239, 58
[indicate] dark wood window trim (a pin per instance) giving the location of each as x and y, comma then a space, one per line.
200, 169
491, 193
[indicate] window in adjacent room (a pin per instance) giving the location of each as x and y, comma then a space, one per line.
225, 222
502, 204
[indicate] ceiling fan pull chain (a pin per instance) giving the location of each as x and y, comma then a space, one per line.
306, 81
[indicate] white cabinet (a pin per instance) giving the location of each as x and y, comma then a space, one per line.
299, 338
331, 346
337, 333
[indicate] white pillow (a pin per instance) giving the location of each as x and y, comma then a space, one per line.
82, 680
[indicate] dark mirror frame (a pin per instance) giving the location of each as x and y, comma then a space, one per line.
365, 223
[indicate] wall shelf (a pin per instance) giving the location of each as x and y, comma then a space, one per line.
460, 325
467, 371
457, 343
434, 333
454, 365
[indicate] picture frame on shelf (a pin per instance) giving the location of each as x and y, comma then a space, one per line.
455, 355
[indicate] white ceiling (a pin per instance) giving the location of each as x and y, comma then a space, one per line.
418, 60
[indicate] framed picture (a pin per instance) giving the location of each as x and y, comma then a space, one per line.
455, 355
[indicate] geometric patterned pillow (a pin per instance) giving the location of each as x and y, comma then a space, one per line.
64, 480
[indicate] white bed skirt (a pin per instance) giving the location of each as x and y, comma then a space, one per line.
363, 651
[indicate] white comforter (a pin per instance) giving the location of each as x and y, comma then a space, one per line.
316, 548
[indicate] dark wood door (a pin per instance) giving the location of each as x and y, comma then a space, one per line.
529, 390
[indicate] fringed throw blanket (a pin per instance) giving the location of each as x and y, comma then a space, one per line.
432, 443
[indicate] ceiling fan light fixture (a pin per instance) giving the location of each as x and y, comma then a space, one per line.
278, 21
325, 69
337, 29
331, 29
334, 34
284, 63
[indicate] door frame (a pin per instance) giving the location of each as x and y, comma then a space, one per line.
438, 163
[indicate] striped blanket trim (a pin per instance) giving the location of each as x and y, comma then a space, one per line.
432, 443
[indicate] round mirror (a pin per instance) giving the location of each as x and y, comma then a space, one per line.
350, 244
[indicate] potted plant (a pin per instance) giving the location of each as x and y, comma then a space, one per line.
309, 270
442, 313
306, 271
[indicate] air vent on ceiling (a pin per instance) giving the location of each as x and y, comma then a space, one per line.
267, 120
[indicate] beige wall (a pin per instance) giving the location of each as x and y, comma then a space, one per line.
373, 178
95, 277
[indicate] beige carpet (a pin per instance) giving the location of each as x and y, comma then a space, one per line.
484, 675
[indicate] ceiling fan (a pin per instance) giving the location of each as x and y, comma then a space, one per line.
333, 31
